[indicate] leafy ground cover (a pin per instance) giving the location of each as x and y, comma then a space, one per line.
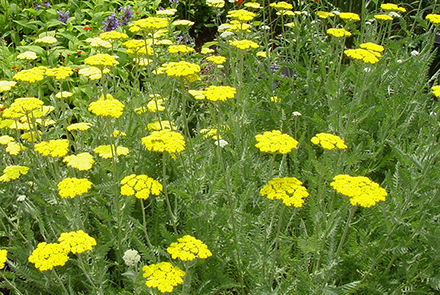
295, 153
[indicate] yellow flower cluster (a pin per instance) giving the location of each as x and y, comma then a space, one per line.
82, 161
433, 18
328, 141
77, 241
31, 136
31, 75
71, 187
48, 40
392, 7
241, 15
163, 276
79, 126
53, 148
5, 139
234, 26
60, 73
288, 189
140, 186
181, 69
21, 106
180, 49
46, 256
27, 55
243, 44
384, 17
281, 5
436, 90
372, 46
6, 85
252, 5
109, 107
338, 33
112, 36
188, 248
164, 141
324, 14
183, 22
275, 142
148, 24
367, 56
63, 94
3, 258
98, 42
219, 93
101, 60
160, 125
215, 3
93, 73
167, 12
105, 151
350, 16
13, 172
360, 189
217, 59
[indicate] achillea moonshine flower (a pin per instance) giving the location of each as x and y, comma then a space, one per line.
372, 46
31, 75
101, 60
288, 189
105, 151
63, 94
167, 12
149, 24
215, 3
93, 73
367, 56
275, 142
242, 15
234, 26
31, 136
219, 93
324, 14
48, 40
98, 42
112, 36
77, 241
360, 189
183, 23
328, 141
131, 257
163, 276
206, 50
46, 256
217, 59
252, 5
140, 186
82, 161
188, 248
244, 44
60, 73
109, 107
392, 7
436, 90
433, 18
79, 126
182, 69
27, 55
13, 172
5, 139
180, 49
14, 148
262, 54
350, 16
21, 106
281, 5
71, 187
160, 125
384, 17
338, 33
54, 148
3, 258
164, 141
6, 85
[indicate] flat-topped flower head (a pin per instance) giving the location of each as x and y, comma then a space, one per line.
59, 73
53, 148
83, 161
149, 24
338, 33
47, 256
328, 141
188, 248
367, 56
324, 14
164, 276
48, 40
98, 43
281, 5
166, 12
71, 187
13, 172
140, 186
241, 15
180, 49
164, 141
6, 85
252, 5
433, 18
105, 151
27, 55
112, 36
160, 125
63, 94
101, 60
383, 17
109, 107
349, 16
77, 241
244, 44
392, 7
31, 75
217, 59
288, 189
436, 90
182, 69
22, 106
360, 189
3, 258
182, 23
82, 126
215, 3
219, 93
275, 142
93, 73
14, 148
372, 46
234, 26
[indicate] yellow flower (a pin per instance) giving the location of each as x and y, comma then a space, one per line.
46, 256
182, 69
60, 73
82, 161
53, 148
167, 12
324, 14
183, 23
93, 73
79, 126
112, 36
365, 55
109, 107
243, 44
328, 141
275, 142
31, 75
14, 148
77, 241
219, 93
180, 49
372, 46
197, 94
21, 106
149, 24
142, 61
188, 248
163, 276
217, 59
384, 17
101, 60
338, 33
6, 85
13, 172
63, 94
140, 186
234, 26
433, 18
117, 133
252, 5
3, 258
71, 187
5, 139
31, 136
215, 3
48, 40
161, 125
350, 16
281, 5
360, 189
206, 50
262, 54
105, 151
242, 15
98, 42
392, 7
275, 99
436, 90
164, 141
27, 55
287, 189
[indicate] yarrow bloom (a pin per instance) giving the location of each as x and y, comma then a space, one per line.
372, 46
21, 106
167, 12
7, 85
350, 16
183, 23
112, 36
54, 148
60, 73
27, 55
46, 256
149, 24
384, 17
105, 151
180, 49
163, 276
288, 189
93, 73
48, 40
13, 172
164, 141
101, 60
71, 187
140, 186
219, 93
188, 248
328, 141
217, 59
181, 69
433, 18
392, 7
31, 75
3, 258
109, 107
436, 90
77, 241
160, 125
324, 14
63, 94
79, 126
131, 257
215, 3
242, 15
338, 33
360, 189
275, 142
281, 5
367, 56
244, 44
98, 42
82, 161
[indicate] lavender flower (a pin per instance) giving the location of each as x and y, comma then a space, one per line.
63, 16
126, 15
42, 5
110, 23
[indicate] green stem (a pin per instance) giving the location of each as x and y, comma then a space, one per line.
165, 191
275, 251
344, 234
144, 220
